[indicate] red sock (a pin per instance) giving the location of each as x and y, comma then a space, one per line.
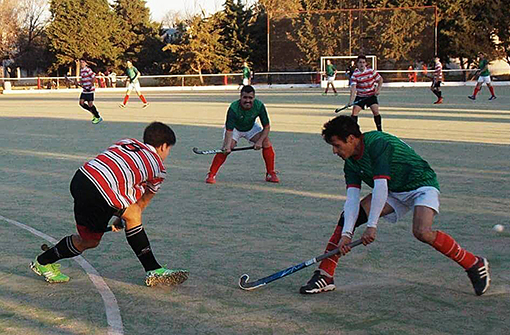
126, 98
217, 162
446, 245
492, 90
476, 91
268, 154
329, 264
143, 99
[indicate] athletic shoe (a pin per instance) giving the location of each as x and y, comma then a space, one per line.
324, 93
336, 93
211, 178
145, 105
96, 120
439, 101
164, 276
493, 97
317, 284
472, 97
122, 106
480, 276
50, 272
272, 177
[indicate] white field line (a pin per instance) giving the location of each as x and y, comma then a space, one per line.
110, 303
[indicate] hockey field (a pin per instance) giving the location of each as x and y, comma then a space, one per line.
242, 224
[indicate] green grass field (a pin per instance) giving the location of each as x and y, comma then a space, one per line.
242, 224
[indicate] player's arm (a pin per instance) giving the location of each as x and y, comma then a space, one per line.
229, 128
137, 75
379, 198
379, 84
353, 93
351, 212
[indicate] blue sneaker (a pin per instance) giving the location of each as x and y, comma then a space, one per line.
493, 97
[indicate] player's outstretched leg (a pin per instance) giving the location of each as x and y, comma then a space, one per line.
269, 157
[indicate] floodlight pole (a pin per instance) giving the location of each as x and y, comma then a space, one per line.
435, 31
268, 45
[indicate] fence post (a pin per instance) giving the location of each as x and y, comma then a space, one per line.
38, 82
225, 80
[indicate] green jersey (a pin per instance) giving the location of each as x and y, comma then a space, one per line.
243, 120
330, 70
482, 64
131, 73
386, 156
246, 72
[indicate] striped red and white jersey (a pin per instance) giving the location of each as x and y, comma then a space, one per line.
124, 172
438, 72
365, 82
88, 77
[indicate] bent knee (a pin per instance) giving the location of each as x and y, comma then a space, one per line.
425, 235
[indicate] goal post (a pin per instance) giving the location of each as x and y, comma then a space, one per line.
342, 63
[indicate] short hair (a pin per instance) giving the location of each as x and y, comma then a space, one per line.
247, 89
361, 57
158, 133
342, 126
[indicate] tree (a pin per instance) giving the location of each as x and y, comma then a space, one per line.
139, 37
83, 29
502, 30
32, 42
199, 49
8, 28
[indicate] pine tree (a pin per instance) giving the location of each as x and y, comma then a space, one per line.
234, 24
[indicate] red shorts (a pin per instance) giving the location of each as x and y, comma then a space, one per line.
87, 234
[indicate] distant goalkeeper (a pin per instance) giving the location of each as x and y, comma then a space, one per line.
133, 84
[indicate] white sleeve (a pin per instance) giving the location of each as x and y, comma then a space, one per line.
351, 211
379, 197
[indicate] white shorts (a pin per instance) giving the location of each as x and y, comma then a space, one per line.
133, 87
331, 79
246, 81
236, 134
484, 79
402, 202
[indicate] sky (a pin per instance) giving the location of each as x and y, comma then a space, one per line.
186, 7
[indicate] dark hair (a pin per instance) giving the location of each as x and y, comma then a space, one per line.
361, 57
247, 89
157, 133
342, 126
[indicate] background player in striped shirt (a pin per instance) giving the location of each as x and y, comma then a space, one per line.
241, 116
87, 79
437, 80
133, 84
119, 182
401, 180
484, 77
366, 85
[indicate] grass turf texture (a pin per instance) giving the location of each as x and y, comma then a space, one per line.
244, 225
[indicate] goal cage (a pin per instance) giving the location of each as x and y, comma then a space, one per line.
398, 36
342, 64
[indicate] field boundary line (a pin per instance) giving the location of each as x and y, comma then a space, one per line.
113, 317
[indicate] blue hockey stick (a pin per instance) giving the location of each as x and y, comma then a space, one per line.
243, 281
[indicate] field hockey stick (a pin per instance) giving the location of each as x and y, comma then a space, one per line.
74, 81
243, 281
350, 105
119, 225
219, 151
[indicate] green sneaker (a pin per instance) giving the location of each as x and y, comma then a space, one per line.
50, 272
166, 277
96, 120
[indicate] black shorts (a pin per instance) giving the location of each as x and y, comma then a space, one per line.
87, 96
90, 208
436, 84
366, 101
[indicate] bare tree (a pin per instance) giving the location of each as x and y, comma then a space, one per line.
172, 18
8, 28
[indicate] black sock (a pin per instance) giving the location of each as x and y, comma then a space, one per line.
355, 117
64, 249
94, 111
137, 239
85, 106
439, 94
378, 122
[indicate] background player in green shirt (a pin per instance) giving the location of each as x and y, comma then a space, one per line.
133, 84
401, 181
331, 74
246, 74
484, 77
241, 123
